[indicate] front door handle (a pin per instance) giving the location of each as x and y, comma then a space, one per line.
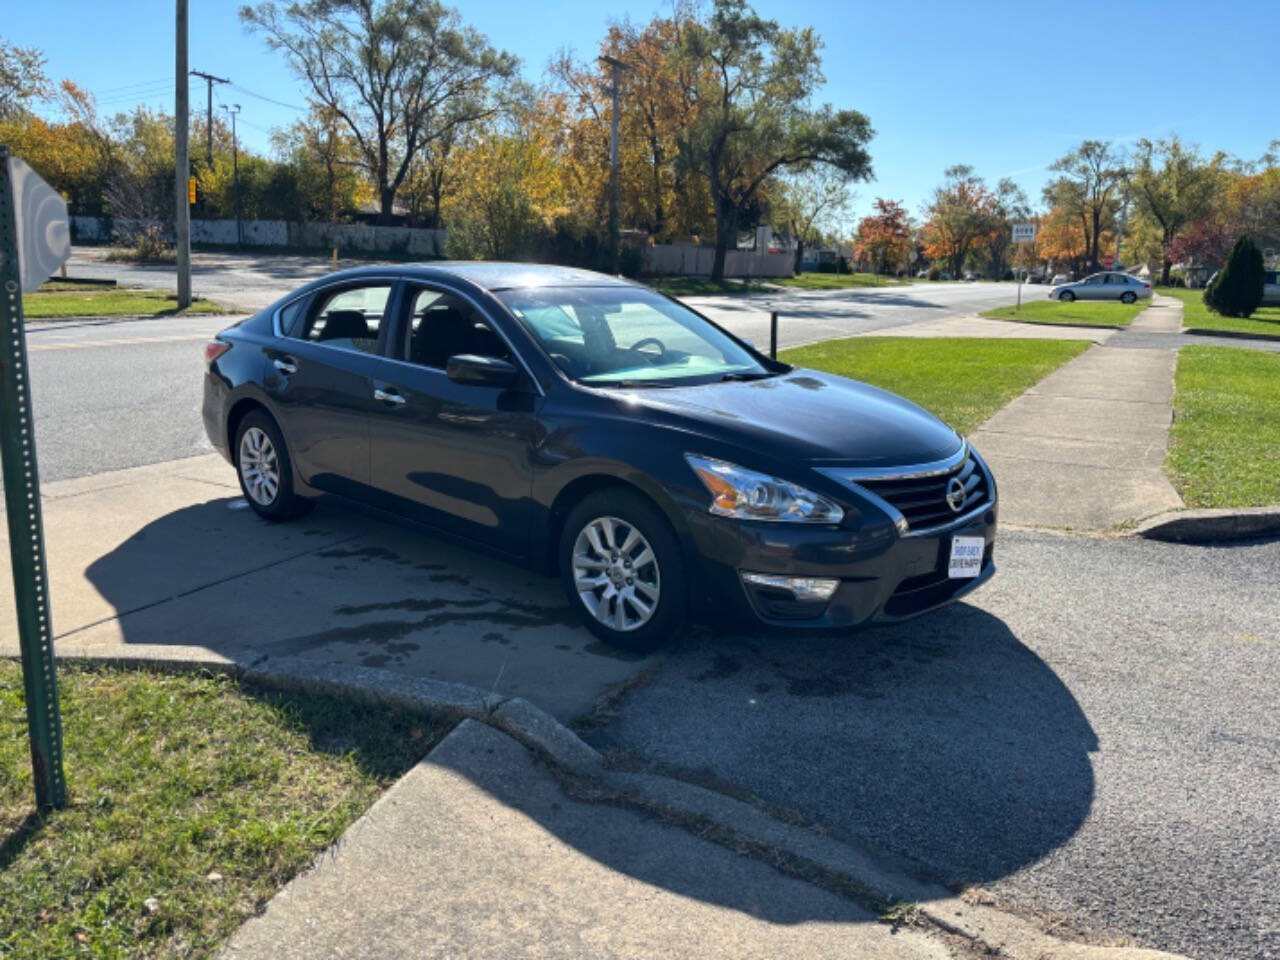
387, 396
285, 365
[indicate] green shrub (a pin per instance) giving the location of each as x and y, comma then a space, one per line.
1237, 289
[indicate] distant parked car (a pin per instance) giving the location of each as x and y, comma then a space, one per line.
1103, 286
1034, 278
1271, 289
1060, 278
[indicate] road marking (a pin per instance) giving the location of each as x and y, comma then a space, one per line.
119, 342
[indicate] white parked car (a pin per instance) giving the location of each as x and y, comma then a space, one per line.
1103, 286
1271, 289
1058, 278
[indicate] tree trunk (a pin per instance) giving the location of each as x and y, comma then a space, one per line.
726, 233
799, 264
387, 201
1165, 267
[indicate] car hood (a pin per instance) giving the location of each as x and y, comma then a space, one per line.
804, 415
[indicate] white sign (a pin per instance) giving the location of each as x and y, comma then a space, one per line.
44, 239
966, 557
1024, 233
913, 256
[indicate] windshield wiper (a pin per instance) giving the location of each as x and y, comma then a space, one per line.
628, 384
747, 375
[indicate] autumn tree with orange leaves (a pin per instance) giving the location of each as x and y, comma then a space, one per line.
884, 237
958, 217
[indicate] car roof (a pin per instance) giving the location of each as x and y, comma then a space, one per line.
492, 275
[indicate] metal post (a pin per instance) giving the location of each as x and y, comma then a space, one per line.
22, 509
773, 335
235, 169
181, 165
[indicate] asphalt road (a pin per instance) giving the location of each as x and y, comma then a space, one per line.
1095, 737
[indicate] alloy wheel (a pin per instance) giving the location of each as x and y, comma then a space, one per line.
615, 572
259, 466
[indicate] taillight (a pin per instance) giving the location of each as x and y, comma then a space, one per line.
1146, 286
213, 350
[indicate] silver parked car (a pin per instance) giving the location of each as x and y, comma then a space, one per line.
1103, 286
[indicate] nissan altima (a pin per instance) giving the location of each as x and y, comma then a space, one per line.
603, 433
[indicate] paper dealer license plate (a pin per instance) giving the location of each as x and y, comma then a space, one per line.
966, 557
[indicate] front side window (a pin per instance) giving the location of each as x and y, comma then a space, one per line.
443, 325
610, 336
349, 319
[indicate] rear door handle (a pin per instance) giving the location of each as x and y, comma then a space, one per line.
285, 365
387, 396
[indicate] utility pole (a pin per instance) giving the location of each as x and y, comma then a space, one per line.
209, 80
614, 240
235, 166
182, 164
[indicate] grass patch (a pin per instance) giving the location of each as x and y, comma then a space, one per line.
701, 286
1079, 313
837, 281
68, 300
962, 380
192, 789
1224, 446
1196, 316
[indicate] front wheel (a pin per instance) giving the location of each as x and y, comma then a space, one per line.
1128, 297
1066, 296
622, 570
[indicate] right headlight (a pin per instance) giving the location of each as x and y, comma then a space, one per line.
749, 495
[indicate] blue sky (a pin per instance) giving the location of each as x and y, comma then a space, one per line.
1005, 86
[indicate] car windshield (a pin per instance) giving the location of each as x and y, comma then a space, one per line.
619, 335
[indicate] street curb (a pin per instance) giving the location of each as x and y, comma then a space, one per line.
1211, 526
871, 878
520, 719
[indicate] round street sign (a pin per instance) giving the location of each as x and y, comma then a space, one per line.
44, 240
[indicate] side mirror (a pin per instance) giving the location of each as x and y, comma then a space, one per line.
471, 370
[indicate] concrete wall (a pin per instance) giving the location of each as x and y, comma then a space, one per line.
687, 259
361, 237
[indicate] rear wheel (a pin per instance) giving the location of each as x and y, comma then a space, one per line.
265, 470
1066, 296
622, 570
1128, 297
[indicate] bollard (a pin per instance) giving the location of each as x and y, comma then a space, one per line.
335, 258
773, 335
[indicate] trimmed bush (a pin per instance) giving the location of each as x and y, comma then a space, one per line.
1237, 289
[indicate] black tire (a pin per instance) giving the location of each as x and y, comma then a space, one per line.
1066, 296
1128, 297
285, 504
667, 619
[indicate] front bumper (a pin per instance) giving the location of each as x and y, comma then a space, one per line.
883, 576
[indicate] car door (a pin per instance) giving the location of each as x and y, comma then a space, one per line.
1093, 288
457, 456
320, 377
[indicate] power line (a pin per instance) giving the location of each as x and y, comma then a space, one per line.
141, 83
258, 96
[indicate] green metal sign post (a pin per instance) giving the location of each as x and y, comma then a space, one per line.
22, 509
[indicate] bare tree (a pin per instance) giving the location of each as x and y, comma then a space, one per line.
400, 74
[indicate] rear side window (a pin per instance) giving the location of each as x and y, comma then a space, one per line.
349, 319
291, 316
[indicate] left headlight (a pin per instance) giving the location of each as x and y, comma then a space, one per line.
748, 495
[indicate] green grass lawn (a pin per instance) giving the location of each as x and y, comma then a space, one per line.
1224, 446
964, 381
74, 300
1196, 316
701, 286
190, 789
837, 281
1079, 313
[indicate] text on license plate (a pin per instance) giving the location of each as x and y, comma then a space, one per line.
966, 557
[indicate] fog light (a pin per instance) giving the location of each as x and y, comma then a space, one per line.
801, 588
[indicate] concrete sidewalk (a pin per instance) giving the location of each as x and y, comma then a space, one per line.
1084, 448
479, 852
159, 561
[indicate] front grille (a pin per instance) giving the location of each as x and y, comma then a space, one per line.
923, 500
